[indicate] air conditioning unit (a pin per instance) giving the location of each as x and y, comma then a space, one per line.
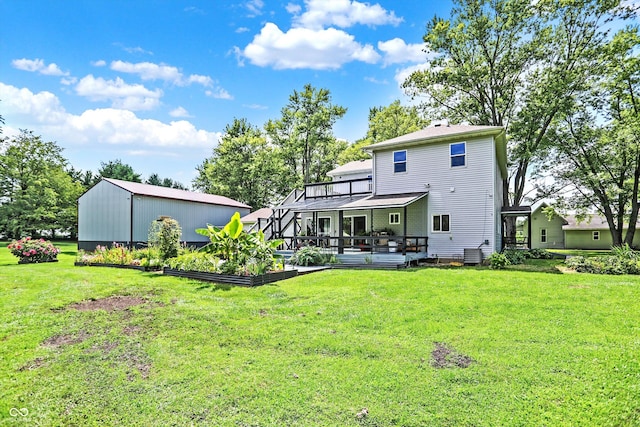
472, 256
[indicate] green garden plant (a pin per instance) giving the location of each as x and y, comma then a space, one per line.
498, 261
243, 252
164, 235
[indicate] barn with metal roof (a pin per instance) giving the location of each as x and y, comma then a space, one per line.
122, 212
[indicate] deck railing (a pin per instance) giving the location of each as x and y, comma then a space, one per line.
373, 244
338, 188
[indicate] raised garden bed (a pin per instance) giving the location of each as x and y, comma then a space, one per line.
231, 279
127, 266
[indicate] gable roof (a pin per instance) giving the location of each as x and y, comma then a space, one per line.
174, 193
591, 222
447, 133
356, 166
263, 213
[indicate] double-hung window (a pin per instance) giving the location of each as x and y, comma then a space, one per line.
440, 223
458, 154
399, 161
543, 235
596, 235
394, 218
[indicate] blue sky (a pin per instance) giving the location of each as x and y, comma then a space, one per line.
155, 82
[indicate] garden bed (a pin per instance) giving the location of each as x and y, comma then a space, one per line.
232, 279
127, 266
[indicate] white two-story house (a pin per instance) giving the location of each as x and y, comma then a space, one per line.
434, 193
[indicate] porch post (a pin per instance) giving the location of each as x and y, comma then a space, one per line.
340, 232
529, 229
371, 240
404, 232
294, 243
315, 227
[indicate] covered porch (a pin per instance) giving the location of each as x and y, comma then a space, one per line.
363, 229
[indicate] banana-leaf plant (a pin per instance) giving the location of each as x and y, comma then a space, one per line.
250, 252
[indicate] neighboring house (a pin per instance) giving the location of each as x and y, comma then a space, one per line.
546, 233
436, 192
255, 220
591, 233
122, 212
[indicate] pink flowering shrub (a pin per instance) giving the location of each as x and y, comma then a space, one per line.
33, 250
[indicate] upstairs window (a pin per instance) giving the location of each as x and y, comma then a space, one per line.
458, 153
399, 161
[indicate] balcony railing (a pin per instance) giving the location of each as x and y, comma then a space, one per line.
338, 188
373, 244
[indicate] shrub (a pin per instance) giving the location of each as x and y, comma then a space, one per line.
30, 250
309, 255
498, 261
538, 254
623, 262
164, 235
515, 256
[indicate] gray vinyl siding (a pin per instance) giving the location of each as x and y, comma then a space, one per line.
104, 214
467, 193
497, 210
189, 215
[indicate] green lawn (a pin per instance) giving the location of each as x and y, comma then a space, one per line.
541, 349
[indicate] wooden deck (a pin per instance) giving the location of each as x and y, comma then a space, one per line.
359, 259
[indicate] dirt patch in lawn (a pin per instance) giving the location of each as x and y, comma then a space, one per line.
445, 356
66, 339
113, 303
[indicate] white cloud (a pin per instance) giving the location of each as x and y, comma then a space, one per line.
168, 73
122, 95
38, 65
396, 51
134, 50
219, 93
240, 30
68, 81
305, 48
99, 63
293, 8
254, 7
179, 112
43, 113
376, 81
255, 106
342, 13
195, 10
402, 74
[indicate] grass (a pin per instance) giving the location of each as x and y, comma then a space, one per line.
547, 349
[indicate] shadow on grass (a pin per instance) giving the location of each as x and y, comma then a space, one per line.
214, 286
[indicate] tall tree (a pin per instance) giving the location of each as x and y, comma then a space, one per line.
244, 167
597, 162
154, 179
384, 123
512, 63
117, 170
305, 137
36, 193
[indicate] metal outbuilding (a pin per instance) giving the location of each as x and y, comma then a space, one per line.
122, 212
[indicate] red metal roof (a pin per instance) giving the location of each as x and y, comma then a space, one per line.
174, 193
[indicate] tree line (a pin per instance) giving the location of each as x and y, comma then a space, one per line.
561, 76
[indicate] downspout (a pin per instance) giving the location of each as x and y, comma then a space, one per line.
131, 223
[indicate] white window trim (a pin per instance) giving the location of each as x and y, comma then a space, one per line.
543, 233
451, 156
399, 218
440, 215
393, 160
594, 234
